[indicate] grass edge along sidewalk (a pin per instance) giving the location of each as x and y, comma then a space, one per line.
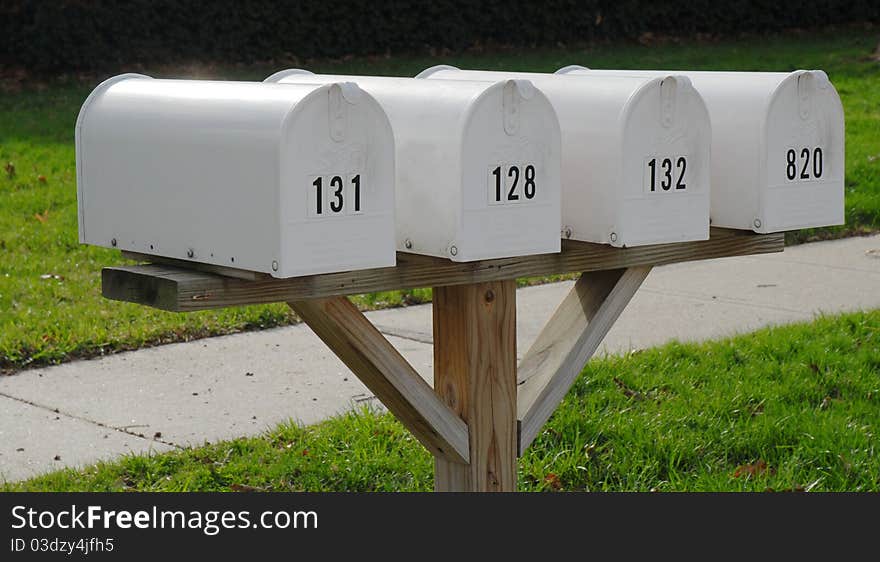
795, 407
51, 308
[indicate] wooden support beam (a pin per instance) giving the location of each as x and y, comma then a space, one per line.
376, 362
567, 342
182, 289
475, 374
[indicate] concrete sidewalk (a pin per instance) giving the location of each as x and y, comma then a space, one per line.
187, 394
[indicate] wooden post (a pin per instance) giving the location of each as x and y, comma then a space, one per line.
475, 375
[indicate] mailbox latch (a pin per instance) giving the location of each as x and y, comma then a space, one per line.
338, 112
510, 102
806, 83
668, 86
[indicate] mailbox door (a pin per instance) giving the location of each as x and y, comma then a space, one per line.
337, 185
665, 166
804, 155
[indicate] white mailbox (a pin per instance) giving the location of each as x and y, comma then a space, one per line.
635, 155
478, 164
287, 181
777, 147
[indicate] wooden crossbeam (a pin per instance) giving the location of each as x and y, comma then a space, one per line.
568, 340
182, 289
376, 362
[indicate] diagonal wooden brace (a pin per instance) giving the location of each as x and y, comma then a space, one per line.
568, 340
376, 362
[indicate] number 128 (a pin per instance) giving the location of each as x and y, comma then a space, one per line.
510, 190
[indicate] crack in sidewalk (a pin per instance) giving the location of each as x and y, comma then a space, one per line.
411, 335
93, 422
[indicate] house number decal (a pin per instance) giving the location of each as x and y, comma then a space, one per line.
803, 164
666, 174
512, 184
335, 195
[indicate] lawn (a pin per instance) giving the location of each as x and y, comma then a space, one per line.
788, 408
50, 304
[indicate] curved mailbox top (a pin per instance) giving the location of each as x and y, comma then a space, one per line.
478, 164
237, 174
635, 154
795, 120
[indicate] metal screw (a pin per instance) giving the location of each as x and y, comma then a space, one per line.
757, 223
453, 250
274, 265
567, 232
113, 242
190, 253
408, 244
614, 237
490, 295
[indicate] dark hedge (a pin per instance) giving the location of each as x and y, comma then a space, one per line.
53, 35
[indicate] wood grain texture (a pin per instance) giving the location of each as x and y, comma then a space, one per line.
567, 342
376, 362
182, 290
475, 374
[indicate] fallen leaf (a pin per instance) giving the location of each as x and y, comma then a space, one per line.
41, 178
553, 481
42, 217
627, 391
755, 469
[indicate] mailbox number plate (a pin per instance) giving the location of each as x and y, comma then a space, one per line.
335, 195
513, 183
804, 164
666, 174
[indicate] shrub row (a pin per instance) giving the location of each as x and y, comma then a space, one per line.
57, 35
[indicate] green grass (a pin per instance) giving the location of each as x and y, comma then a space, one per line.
789, 408
50, 304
